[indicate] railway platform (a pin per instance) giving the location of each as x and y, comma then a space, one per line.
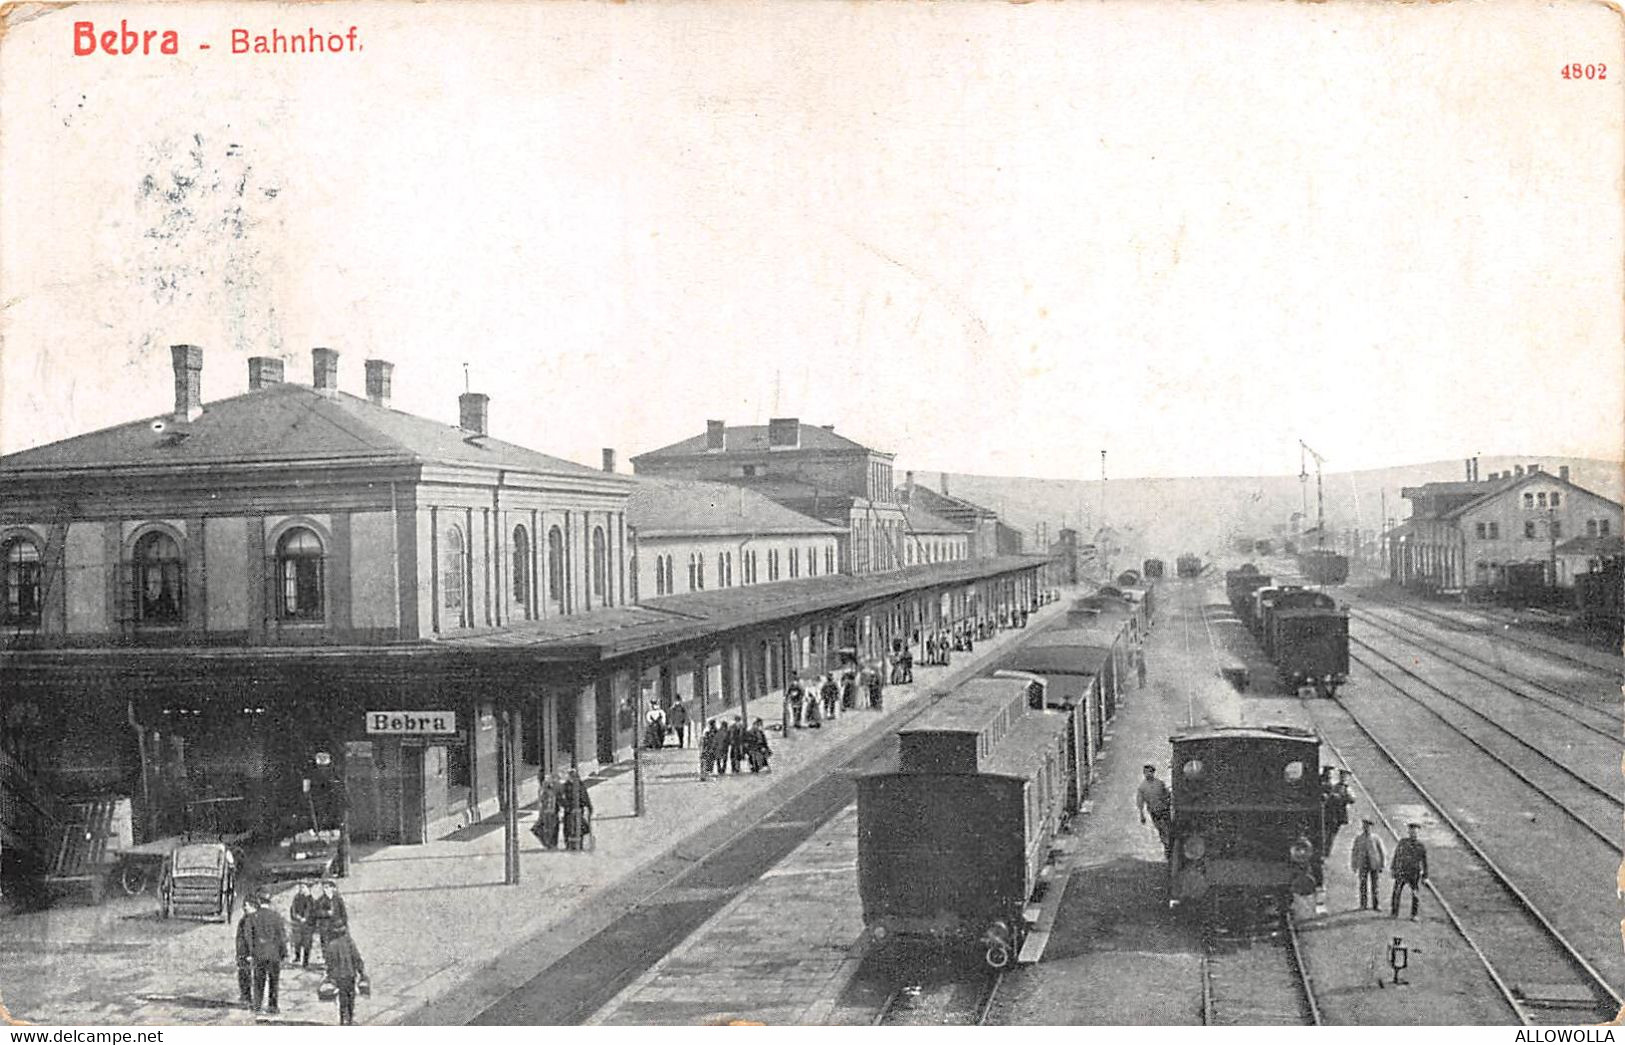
443, 938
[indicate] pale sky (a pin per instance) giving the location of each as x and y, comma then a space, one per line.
986, 237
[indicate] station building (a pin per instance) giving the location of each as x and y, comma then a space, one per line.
208, 608
814, 471
978, 523
1501, 533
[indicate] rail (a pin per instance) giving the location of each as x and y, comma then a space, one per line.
940, 1004
1458, 625
1587, 973
1608, 796
1279, 990
1433, 647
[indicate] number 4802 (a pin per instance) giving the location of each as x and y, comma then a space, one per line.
1576, 71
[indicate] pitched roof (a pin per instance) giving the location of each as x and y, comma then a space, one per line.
660, 507
753, 439
285, 422
1504, 487
944, 505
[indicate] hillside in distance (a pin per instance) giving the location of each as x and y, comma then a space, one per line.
1164, 517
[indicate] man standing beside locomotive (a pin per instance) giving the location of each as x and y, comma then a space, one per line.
1152, 797
1410, 868
1365, 860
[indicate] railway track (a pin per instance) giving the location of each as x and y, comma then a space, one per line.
1254, 975
1598, 718
1573, 795
1541, 974
1500, 630
950, 1003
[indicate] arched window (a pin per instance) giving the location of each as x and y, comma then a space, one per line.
1557, 499
21, 577
555, 565
1540, 499
299, 573
699, 570
158, 571
521, 566
599, 565
1528, 500
452, 572
692, 583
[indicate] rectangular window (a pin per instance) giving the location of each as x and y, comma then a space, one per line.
1557, 529
1495, 531
1540, 499
1529, 528
1556, 499
1602, 528
1480, 530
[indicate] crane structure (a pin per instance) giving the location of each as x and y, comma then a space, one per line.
1320, 498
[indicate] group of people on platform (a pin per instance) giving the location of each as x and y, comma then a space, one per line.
726, 746
830, 695
1409, 866
564, 806
264, 942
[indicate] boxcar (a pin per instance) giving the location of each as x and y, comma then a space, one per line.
1324, 566
953, 839
1246, 813
1152, 569
1188, 565
1239, 586
1312, 647
1282, 601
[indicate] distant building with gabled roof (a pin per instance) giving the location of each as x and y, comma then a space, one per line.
816, 472
1502, 532
691, 535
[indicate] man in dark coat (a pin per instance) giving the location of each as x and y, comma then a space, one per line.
268, 946
756, 748
302, 920
736, 744
830, 692
245, 955
795, 695
330, 913
345, 970
575, 805
677, 720
1335, 802
849, 691
1410, 868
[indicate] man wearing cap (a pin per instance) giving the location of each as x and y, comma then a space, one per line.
268, 946
245, 956
1410, 868
1365, 860
329, 913
1152, 797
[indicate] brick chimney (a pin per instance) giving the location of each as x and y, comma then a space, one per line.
1534, 467
324, 370
1517, 470
716, 435
908, 487
1563, 472
379, 375
609, 459
263, 372
188, 363
945, 484
472, 411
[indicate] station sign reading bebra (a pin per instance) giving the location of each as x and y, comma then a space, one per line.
411, 723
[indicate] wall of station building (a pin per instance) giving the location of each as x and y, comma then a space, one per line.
385, 574
726, 561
